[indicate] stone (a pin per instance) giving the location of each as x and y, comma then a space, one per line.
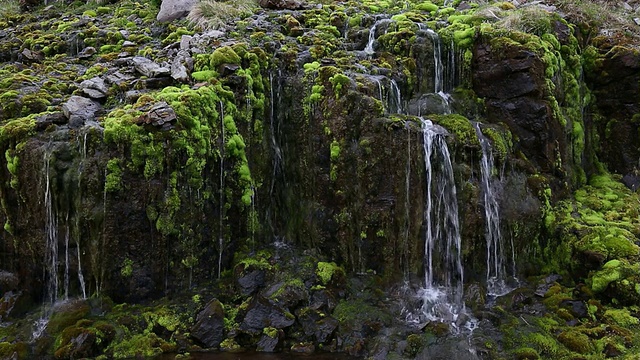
281, 4
268, 343
181, 66
95, 88
251, 281
161, 115
637, 21
132, 96
79, 109
8, 281
264, 313
149, 68
42, 122
174, 9
29, 56
87, 52
185, 42
209, 326
128, 43
119, 78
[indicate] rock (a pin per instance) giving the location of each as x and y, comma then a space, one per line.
325, 329
87, 52
132, 96
157, 83
632, 181
42, 122
269, 340
209, 326
577, 308
95, 88
250, 281
185, 42
29, 56
174, 9
79, 109
303, 348
125, 34
119, 78
8, 281
7, 303
281, 4
128, 43
149, 68
181, 66
160, 115
637, 21
263, 313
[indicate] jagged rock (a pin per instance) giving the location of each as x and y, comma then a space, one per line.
29, 56
87, 52
281, 4
174, 9
132, 96
577, 308
209, 326
128, 43
160, 115
42, 122
181, 66
250, 281
118, 78
125, 34
263, 313
95, 88
269, 342
79, 109
157, 83
637, 21
149, 68
185, 42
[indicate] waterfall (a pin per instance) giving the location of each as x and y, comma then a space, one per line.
442, 294
221, 195
496, 268
372, 36
51, 233
395, 98
439, 87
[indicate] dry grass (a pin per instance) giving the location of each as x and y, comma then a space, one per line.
213, 14
8, 8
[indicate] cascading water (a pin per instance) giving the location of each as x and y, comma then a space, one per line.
497, 276
372, 36
439, 83
51, 232
221, 194
442, 294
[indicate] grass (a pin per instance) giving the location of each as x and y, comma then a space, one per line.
213, 14
8, 8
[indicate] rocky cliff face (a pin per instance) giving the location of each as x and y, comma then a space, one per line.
282, 154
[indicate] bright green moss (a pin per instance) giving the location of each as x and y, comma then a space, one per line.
327, 270
339, 81
610, 272
576, 341
459, 126
114, 176
621, 317
427, 6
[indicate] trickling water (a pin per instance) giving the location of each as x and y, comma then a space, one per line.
439, 84
496, 265
277, 151
221, 195
443, 292
66, 260
372, 36
395, 98
51, 233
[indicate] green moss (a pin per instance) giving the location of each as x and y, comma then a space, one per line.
427, 6
270, 332
113, 181
204, 75
459, 126
576, 341
353, 312
339, 81
621, 317
326, 271
526, 353
127, 268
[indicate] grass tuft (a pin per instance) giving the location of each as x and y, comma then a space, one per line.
214, 14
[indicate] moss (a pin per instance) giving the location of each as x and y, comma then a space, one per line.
339, 81
526, 353
270, 332
358, 311
326, 271
113, 181
126, 270
460, 127
576, 341
146, 345
204, 75
621, 317
427, 6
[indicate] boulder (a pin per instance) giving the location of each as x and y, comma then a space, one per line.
149, 68
263, 313
94, 88
174, 9
160, 115
281, 4
209, 326
79, 110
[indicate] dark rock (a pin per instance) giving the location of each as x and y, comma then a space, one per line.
632, 181
28, 56
7, 303
132, 96
549, 281
303, 348
149, 68
174, 9
95, 88
611, 351
160, 115
8, 281
157, 83
281, 4
325, 329
269, 342
79, 109
263, 313
577, 308
43, 121
228, 69
209, 326
118, 78
251, 281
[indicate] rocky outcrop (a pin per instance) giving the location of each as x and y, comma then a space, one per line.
174, 9
209, 326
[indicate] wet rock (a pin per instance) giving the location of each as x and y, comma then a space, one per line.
325, 329
42, 122
7, 303
270, 340
281, 4
548, 282
79, 109
209, 326
94, 88
263, 313
160, 115
632, 181
577, 308
149, 68
249, 282
8, 281
303, 348
157, 83
174, 9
